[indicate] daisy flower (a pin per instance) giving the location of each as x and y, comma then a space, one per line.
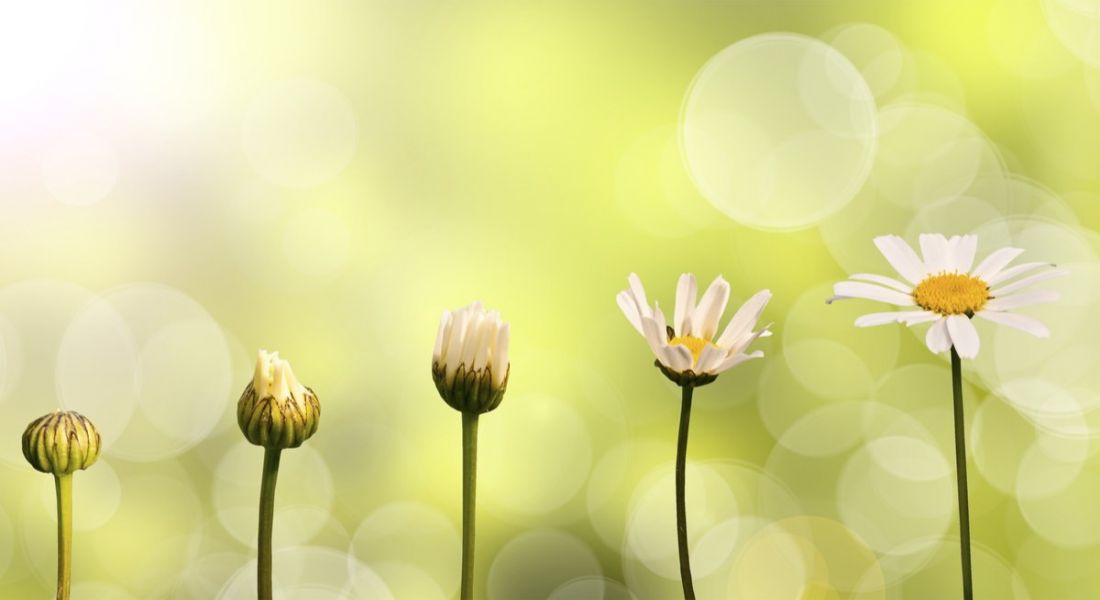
690, 351
943, 287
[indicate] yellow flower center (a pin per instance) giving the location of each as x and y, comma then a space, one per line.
692, 343
951, 294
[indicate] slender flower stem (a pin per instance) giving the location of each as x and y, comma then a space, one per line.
469, 493
267, 514
64, 486
960, 472
681, 504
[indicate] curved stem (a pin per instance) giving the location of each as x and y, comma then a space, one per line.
960, 472
681, 504
64, 486
469, 493
267, 514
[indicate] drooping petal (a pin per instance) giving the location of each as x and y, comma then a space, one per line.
1015, 271
965, 250
744, 319
1021, 300
630, 308
889, 282
937, 339
1020, 284
705, 318
997, 260
1021, 322
735, 359
656, 338
739, 345
909, 317
901, 256
936, 252
686, 291
963, 335
857, 289
638, 291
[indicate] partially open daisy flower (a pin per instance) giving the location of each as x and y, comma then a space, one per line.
948, 291
689, 351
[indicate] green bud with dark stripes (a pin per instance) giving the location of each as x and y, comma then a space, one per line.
61, 443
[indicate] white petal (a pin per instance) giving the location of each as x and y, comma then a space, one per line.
900, 255
705, 318
1027, 281
739, 345
965, 249
656, 338
1015, 271
686, 291
678, 358
453, 353
1020, 300
937, 254
889, 282
744, 319
659, 319
630, 308
937, 339
856, 289
735, 359
963, 335
909, 317
709, 359
1021, 322
638, 290
500, 356
992, 265
441, 336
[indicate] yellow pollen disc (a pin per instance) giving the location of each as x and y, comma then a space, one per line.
692, 343
951, 294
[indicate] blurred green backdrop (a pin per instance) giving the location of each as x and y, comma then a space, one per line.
182, 183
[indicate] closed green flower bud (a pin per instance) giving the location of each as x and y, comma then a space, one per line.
470, 362
61, 443
276, 410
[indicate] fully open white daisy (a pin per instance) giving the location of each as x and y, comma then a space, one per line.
948, 292
690, 351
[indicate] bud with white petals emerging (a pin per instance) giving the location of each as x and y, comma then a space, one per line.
470, 361
61, 443
276, 410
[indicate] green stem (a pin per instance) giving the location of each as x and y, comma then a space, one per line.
960, 472
64, 486
469, 492
681, 504
267, 514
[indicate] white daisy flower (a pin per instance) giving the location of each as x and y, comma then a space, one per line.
946, 290
690, 351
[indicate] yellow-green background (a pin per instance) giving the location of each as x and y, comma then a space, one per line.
184, 183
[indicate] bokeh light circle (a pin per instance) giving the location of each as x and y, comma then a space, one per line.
163, 384
311, 573
778, 131
304, 505
592, 588
300, 133
535, 563
414, 534
876, 52
547, 462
